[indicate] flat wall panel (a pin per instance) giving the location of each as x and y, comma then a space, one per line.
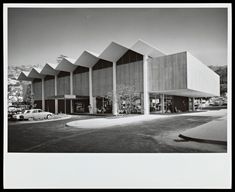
50, 105
63, 85
201, 77
61, 106
37, 90
49, 88
131, 74
81, 84
167, 72
102, 80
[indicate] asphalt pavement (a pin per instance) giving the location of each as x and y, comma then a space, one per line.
156, 135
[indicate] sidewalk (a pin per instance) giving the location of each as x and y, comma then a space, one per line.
212, 132
108, 122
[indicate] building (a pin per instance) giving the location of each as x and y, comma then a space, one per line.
77, 85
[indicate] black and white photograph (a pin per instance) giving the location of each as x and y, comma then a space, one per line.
124, 83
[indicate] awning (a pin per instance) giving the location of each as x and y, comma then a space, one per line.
62, 97
184, 93
68, 97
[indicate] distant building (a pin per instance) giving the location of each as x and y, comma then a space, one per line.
73, 85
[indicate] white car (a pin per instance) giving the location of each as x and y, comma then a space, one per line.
34, 114
17, 116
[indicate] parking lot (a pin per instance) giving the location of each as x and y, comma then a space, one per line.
154, 136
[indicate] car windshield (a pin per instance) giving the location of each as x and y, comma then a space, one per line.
27, 111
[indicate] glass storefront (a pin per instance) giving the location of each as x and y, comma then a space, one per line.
172, 104
80, 105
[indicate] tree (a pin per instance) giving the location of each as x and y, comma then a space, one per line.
37, 65
29, 98
59, 58
222, 72
126, 97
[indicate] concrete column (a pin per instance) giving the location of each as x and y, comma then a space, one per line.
142, 102
32, 94
43, 95
94, 105
71, 91
56, 100
145, 78
90, 91
193, 107
31, 87
115, 108
162, 103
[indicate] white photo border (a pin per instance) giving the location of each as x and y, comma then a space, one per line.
102, 170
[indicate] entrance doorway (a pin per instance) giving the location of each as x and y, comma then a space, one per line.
103, 105
80, 105
156, 103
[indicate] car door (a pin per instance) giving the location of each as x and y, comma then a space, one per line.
27, 114
40, 114
35, 114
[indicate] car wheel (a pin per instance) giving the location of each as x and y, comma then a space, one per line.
30, 118
49, 116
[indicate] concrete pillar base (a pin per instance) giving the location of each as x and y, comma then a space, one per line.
56, 100
43, 96
145, 78
71, 106
56, 106
163, 103
94, 106
91, 102
115, 107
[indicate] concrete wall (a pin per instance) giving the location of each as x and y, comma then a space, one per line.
63, 85
201, 78
167, 72
102, 80
37, 89
171, 72
81, 84
131, 74
49, 87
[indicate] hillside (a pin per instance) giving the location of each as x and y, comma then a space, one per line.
222, 72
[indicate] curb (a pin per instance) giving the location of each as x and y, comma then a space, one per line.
202, 140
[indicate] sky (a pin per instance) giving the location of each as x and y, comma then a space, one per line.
40, 35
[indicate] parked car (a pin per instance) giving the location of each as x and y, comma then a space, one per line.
17, 116
34, 114
13, 111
